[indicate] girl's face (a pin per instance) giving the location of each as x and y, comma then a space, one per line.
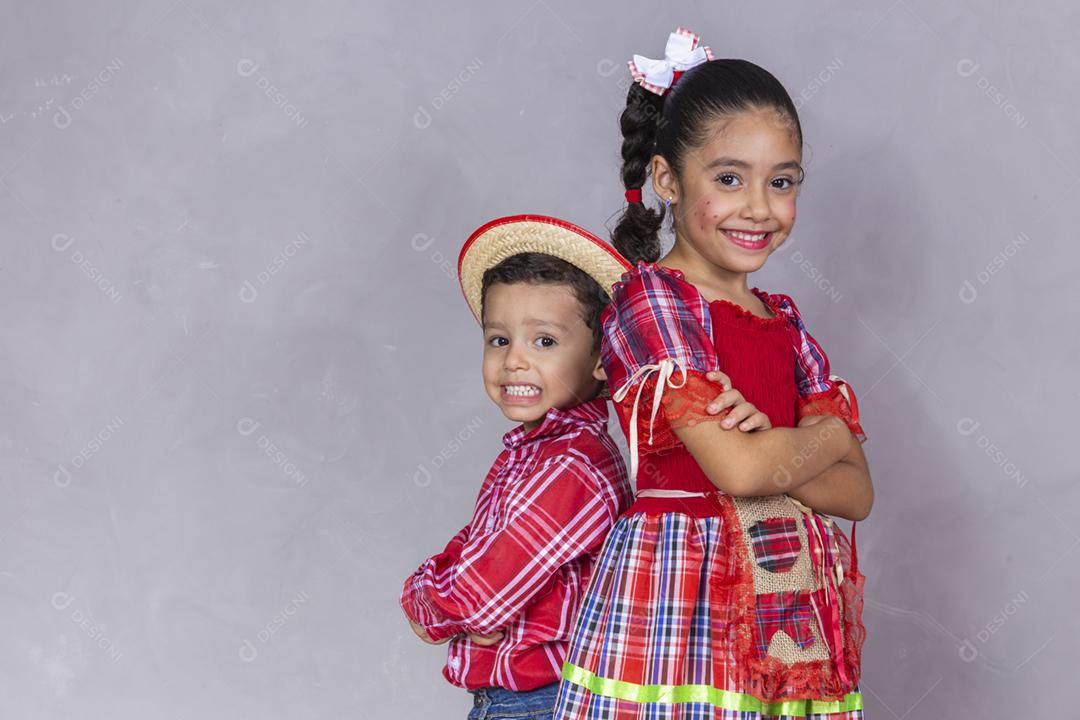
734, 201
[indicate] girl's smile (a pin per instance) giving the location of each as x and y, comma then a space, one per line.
747, 240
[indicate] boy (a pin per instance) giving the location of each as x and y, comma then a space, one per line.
505, 590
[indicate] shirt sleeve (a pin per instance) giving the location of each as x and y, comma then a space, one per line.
558, 513
820, 391
413, 603
657, 348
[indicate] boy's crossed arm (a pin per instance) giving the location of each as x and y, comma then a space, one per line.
480, 583
453, 550
484, 640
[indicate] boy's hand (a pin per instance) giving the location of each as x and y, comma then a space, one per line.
422, 634
486, 640
741, 410
482, 640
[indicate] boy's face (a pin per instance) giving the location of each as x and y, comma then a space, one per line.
538, 351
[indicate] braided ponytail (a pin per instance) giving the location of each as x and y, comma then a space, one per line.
636, 235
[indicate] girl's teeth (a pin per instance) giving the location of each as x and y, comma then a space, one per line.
746, 236
522, 390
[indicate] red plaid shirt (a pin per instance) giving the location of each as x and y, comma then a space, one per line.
523, 562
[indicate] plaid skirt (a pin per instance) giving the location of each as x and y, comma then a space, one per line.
751, 613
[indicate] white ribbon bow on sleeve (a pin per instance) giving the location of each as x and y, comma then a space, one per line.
681, 54
665, 369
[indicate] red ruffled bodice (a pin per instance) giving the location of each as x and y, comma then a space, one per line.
756, 353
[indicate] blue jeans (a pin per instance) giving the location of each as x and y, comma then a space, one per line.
496, 703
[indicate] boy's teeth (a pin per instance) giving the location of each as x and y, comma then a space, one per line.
522, 390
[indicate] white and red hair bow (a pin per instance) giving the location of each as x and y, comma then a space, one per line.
681, 54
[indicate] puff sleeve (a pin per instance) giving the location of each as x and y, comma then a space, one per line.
657, 346
820, 391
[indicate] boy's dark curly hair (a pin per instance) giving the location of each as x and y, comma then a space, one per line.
532, 267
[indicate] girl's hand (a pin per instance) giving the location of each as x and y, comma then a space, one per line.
486, 640
741, 410
422, 634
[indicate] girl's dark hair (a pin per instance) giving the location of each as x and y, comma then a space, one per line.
672, 124
539, 268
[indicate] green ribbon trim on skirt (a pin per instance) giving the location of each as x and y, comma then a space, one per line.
727, 699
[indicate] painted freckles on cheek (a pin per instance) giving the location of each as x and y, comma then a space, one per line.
704, 216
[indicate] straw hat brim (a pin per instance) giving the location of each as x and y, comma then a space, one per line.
497, 240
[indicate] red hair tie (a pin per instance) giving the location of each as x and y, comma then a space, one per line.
633, 195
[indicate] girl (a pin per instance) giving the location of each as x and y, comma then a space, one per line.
719, 593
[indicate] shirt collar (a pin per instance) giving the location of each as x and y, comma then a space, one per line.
559, 422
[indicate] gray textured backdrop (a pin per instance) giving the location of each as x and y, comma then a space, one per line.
241, 390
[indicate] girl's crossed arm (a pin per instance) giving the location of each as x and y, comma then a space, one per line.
843, 489
766, 463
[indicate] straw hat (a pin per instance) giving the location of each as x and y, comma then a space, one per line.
497, 240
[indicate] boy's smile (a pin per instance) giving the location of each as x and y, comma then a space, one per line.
538, 351
521, 394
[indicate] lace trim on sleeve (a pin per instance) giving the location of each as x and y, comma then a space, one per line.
839, 400
684, 407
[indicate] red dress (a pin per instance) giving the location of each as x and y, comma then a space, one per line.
701, 604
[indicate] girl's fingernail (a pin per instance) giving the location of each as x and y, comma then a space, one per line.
713, 408
729, 422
